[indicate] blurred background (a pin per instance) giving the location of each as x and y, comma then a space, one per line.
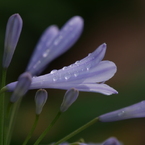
120, 24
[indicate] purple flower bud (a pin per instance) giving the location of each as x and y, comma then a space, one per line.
69, 98
67, 36
111, 141
133, 111
40, 100
13, 30
24, 82
43, 44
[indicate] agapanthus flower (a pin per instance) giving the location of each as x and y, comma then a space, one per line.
88, 74
51, 44
134, 111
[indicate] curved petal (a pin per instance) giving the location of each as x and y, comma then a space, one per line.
43, 44
67, 36
98, 88
79, 70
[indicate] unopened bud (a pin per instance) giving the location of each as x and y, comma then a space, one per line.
23, 84
111, 141
69, 98
40, 100
13, 30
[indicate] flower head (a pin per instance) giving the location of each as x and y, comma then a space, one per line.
13, 30
88, 74
134, 111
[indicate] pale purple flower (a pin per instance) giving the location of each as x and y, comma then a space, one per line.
65, 38
69, 98
134, 111
88, 74
52, 44
13, 30
40, 100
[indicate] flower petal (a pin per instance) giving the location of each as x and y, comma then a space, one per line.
83, 74
134, 111
67, 36
43, 44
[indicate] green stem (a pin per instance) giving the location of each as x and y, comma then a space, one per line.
77, 131
12, 111
48, 128
2, 97
32, 130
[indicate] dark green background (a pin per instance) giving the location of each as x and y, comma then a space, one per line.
121, 24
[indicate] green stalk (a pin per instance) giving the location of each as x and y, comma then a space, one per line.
77, 131
32, 130
12, 110
48, 128
2, 97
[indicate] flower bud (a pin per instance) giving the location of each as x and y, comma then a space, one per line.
134, 111
40, 100
24, 82
13, 30
69, 98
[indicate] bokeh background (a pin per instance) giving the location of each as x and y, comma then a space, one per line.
121, 24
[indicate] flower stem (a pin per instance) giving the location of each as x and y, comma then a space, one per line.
77, 131
32, 130
48, 128
11, 112
2, 97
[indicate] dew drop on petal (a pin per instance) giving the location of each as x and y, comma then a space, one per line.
120, 114
45, 54
56, 42
88, 67
76, 74
53, 71
67, 76
77, 62
55, 78
64, 68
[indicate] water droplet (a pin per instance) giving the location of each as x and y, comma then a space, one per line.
76, 74
67, 76
55, 78
45, 54
121, 113
64, 68
53, 71
88, 67
71, 65
77, 62
56, 42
